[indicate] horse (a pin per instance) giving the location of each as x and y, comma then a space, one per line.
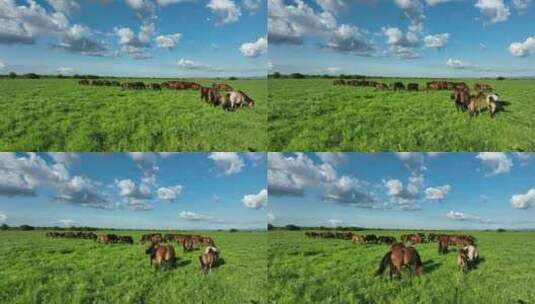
358, 238
482, 87
494, 104
209, 258
339, 82
443, 243
222, 87
187, 244
472, 254
156, 86
461, 96
239, 99
396, 86
204, 93
398, 256
125, 239
476, 103
107, 238
161, 254
462, 260
381, 86
412, 87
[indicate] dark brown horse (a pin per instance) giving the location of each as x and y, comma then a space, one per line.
160, 254
398, 256
461, 96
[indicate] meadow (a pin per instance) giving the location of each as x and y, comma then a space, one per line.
314, 115
304, 270
37, 269
60, 115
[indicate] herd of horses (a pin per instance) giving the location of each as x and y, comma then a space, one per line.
159, 253
220, 94
401, 254
460, 93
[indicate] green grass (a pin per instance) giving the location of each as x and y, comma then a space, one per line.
60, 115
36, 269
302, 270
314, 115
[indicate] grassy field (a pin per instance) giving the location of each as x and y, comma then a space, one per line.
60, 115
36, 269
302, 270
314, 115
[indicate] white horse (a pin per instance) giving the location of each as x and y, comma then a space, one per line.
472, 254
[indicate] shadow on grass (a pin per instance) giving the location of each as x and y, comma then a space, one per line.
431, 265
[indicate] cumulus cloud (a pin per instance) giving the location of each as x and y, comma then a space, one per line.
350, 39
437, 193
333, 158
436, 2
464, 217
522, 6
80, 39
459, 64
82, 191
493, 11
3, 218
195, 217
253, 6
168, 41
289, 176
254, 49
65, 70
271, 217
524, 201
437, 41
523, 49
169, 2
401, 44
414, 161
495, 162
134, 45
64, 6
144, 9
194, 65
225, 11
65, 158
227, 163
400, 194
255, 201
2, 64
169, 193
129, 189
333, 6
288, 24
146, 162
67, 223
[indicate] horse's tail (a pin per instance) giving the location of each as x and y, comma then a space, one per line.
384, 262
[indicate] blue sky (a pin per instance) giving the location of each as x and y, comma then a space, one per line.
169, 38
430, 38
403, 190
134, 190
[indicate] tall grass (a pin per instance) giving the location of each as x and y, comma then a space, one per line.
303, 270
314, 115
60, 115
36, 269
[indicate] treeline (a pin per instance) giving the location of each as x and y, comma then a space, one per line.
292, 227
13, 75
87, 228
278, 75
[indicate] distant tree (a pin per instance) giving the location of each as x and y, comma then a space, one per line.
269, 227
500, 230
61, 76
297, 76
4, 227
12, 75
292, 227
26, 227
233, 78
500, 78
277, 75
32, 76
233, 230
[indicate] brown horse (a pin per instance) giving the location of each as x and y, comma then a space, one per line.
398, 256
462, 259
482, 87
160, 254
222, 87
461, 96
209, 258
187, 244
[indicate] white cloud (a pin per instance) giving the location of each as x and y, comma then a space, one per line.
65, 70
80, 39
333, 158
333, 6
271, 217
523, 49
253, 6
350, 39
3, 218
168, 41
127, 188
254, 49
194, 65
400, 194
436, 2
169, 2
522, 6
493, 10
334, 222
145, 161
65, 158
437, 193
82, 191
437, 41
290, 23
460, 216
227, 163
2, 64
144, 9
225, 11
402, 44
134, 45
64, 6
524, 201
169, 193
459, 64
414, 161
255, 201
67, 222
192, 216
495, 162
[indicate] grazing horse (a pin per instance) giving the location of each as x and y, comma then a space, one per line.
238, 99
472, 254
381, 86
339, 82
443, 243
209, 258
396, 86
156, 86
461, 96
412, 87
187, 244
398, 256
482, 87
125, 239
222, 87
161, 254
204, 93
462, 260
107, 238
358, 238
494, 104
83, 82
